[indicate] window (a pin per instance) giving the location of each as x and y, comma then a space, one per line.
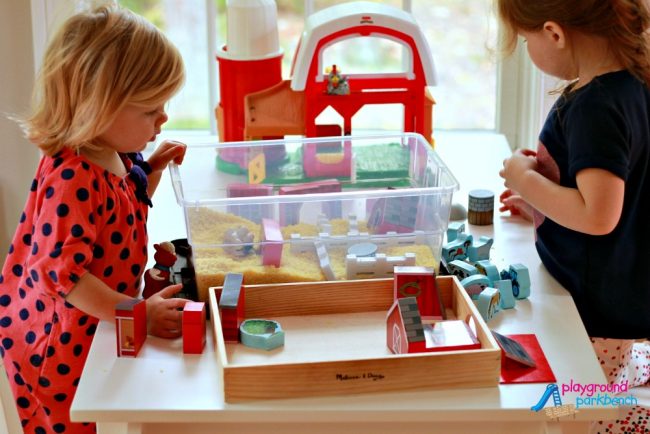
475, 91
459, 34
184, 22
462, 36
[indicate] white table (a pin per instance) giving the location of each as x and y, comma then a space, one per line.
164, 391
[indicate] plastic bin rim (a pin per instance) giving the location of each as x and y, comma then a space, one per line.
320, 197
304, 140
315, 197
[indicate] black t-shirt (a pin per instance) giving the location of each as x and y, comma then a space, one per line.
605, 125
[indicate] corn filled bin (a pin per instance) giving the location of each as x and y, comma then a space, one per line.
313, 209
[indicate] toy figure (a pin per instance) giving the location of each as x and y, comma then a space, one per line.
239, 241
158, 277
182, 271
337, 84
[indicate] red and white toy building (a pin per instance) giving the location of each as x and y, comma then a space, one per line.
256, 103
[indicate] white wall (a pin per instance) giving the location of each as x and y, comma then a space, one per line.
18, 157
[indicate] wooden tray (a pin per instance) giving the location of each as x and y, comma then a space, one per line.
335, 344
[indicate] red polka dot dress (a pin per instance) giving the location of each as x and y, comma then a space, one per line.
78, 218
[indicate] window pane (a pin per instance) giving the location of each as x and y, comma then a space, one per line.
462, 35
184, 23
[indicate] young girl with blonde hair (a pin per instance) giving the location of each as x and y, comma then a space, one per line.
81, 244
588, 184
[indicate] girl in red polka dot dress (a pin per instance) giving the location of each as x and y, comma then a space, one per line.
81, 243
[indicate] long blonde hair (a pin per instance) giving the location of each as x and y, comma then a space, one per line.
98, 62
623, 22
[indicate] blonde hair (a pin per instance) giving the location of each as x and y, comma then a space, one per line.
97, 63
623, 22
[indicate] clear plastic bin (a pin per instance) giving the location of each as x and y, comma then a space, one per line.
297, 210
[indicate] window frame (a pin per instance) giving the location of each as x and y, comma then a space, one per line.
520, 100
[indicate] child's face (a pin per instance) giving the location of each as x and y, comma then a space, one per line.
133, 128
543, 50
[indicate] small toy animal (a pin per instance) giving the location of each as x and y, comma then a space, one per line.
337, 84
239, 241
158, 277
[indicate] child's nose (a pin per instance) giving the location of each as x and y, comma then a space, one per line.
162, 118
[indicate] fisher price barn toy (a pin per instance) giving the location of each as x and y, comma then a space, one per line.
256, 103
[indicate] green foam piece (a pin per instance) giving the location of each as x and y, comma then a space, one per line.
261, 333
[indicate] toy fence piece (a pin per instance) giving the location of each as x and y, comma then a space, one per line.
379, 266
385, 241
505, 291
393, 239
300, 244
271, 243
323, 224
480, 250
342, 241
353, 224
481, 207
324, 260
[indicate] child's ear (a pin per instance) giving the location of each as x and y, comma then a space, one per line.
555, 33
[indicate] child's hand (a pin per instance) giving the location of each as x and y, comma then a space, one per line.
168, 150
515, 167
164, 319
515, 204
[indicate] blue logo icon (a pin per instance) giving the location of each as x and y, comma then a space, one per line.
558, 410
551, 390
